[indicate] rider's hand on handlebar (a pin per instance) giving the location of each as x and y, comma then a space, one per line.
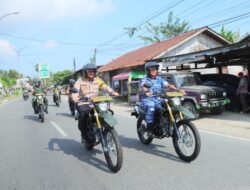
115, 93
182, 91
149, 94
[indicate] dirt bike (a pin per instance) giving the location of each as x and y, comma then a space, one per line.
56, 98
170, 120
40, 107
25, 96
100, 129
72, 107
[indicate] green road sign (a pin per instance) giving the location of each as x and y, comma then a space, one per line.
44, 71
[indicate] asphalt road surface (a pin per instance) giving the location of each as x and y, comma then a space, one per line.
49, 155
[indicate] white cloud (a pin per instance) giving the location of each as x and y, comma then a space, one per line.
6, 49
50, 44
39, 10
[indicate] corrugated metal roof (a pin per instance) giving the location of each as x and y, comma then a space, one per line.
139, 56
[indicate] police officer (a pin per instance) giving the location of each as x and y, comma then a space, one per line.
56, 90
151, 102
88, 86
70, 101
38, 90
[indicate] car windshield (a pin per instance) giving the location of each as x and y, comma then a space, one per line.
186, 80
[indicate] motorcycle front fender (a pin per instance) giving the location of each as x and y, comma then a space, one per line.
110, 119
187, 114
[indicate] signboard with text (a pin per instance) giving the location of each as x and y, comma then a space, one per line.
44, 70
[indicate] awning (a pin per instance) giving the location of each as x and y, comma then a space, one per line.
121, 76
137, 74
131, 74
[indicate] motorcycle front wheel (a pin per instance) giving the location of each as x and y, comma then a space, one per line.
113, 155
41, 113
188, 145
142, 131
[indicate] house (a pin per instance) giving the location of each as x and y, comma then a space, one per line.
192, 41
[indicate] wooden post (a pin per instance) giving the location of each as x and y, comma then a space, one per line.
129, 89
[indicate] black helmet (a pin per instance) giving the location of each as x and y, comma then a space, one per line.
55, 85
72, 81
37, 83
151, 65
88, 66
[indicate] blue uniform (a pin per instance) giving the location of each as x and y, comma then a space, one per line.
151, 103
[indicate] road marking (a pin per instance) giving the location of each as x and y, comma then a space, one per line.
222, 135
59, 129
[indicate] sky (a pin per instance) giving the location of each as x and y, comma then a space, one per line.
58, 31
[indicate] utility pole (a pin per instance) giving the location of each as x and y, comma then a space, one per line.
74, 64
14, 13
93, 59
1, 18
18, 53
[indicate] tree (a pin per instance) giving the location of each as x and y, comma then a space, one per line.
229, 35
61, 76
14, 74
172, 27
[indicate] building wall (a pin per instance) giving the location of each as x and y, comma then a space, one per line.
198, 43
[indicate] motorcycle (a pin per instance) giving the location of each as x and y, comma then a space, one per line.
171, 120
25, 95
40, 107
56, 98
100, 130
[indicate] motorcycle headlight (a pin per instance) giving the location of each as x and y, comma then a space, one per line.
203, 96
176, 101
224, 94
103, 106
40, 97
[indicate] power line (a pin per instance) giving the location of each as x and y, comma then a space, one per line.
232, 19
144, 21
57, 42
225, 11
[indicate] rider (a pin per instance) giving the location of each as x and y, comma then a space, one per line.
88, 86
151, 102
38, 90
71, 85
56, 89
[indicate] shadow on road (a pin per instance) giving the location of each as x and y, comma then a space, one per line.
150, 149
64, 115
76, 149
32, 117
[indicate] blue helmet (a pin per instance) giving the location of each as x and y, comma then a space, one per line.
37, 83
72, 81
151, 64
88, 66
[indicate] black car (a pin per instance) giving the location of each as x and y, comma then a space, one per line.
229, 83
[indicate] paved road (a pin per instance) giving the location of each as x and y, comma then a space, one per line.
49, 155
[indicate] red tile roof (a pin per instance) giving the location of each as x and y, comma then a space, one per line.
139, 56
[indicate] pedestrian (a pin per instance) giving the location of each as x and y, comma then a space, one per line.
242, 92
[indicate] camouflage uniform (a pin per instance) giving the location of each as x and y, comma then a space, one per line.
37, 90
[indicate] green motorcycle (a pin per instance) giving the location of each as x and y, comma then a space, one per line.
40, 107
100, 130
171, 120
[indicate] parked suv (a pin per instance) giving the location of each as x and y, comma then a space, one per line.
229, 83
198, 97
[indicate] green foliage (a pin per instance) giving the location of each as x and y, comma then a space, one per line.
229, 35
8, 78
61, 76
8, 81
172, 27
14, 74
